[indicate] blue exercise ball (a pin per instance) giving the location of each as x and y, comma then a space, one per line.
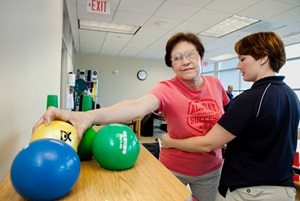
46, 169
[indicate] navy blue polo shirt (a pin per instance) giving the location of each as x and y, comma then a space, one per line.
264, 120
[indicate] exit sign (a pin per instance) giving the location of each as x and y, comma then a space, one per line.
204, 63
97, 6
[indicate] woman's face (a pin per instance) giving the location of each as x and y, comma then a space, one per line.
185, 61
249, 67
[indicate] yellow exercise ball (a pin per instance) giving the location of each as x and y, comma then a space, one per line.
60, 130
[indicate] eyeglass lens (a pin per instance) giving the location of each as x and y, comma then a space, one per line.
177, 58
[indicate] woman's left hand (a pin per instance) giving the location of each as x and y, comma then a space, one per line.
165, 141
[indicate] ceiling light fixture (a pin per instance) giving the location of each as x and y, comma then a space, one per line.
227, 26
162, 24
291, 39
108, 27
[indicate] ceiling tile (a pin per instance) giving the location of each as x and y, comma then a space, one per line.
168, 10
226, 6
215, 17
265, 9
197, 3
140, 6
130, 18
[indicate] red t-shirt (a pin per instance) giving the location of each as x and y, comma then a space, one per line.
190, 113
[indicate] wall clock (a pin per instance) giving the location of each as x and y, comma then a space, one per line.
142, 75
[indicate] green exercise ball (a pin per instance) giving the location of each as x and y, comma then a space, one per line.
116, 147
85, 145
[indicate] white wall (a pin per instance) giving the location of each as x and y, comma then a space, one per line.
114, 88
30, 66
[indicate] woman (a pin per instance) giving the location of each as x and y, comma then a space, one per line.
260, 127
191, 105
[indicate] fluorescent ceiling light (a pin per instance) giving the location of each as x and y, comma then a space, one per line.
228, 26
108, 27
223, 57
291, 39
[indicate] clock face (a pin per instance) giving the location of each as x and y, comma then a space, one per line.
142, 75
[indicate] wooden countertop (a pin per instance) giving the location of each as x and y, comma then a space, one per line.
147, 180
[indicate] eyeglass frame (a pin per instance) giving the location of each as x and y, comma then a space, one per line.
184, 55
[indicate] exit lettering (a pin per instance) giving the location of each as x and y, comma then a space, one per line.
98, 6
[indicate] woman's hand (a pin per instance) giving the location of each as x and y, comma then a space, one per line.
166, 141
80, 120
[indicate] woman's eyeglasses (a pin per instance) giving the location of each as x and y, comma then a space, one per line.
177, 58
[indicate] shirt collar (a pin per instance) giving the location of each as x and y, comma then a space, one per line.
270, 79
